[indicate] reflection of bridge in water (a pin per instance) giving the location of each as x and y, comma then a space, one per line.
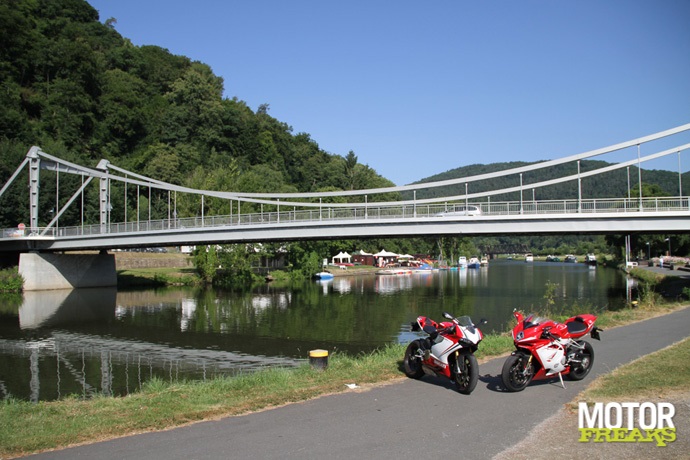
87, 365
69, 361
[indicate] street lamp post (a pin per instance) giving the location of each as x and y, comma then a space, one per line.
649, 253
669, 245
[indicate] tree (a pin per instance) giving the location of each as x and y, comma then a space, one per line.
351, 170
121, 111
206, 262
195, 108
236, 261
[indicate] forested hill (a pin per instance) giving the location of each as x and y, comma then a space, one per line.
614, 184
78, 89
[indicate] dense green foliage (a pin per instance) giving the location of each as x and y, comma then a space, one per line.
10, 280
82, 92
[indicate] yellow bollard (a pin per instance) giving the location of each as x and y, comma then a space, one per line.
318, 359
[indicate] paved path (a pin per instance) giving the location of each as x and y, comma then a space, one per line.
407, 420
682, 272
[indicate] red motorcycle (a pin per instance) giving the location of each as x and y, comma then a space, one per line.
545, 349
447, 352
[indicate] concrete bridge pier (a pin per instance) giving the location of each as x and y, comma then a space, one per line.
44, 271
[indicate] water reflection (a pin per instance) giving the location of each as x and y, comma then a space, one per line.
64, 306
93, 341
389, 284
73, 344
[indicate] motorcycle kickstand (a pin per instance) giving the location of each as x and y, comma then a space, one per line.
560, 376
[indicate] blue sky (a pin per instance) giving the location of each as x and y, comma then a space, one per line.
418, 88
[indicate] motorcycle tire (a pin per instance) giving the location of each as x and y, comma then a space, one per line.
412, 363
513, 373
466, 374
579, 371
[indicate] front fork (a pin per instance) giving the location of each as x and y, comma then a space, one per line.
525, 370
460, 366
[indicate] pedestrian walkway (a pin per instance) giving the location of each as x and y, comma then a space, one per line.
678, 271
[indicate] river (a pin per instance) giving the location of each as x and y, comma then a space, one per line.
104, 341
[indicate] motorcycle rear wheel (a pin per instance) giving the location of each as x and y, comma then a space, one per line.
515, 374
466, 381
412, 363
579, 371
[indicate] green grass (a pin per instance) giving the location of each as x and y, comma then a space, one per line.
650, 377
11, 280
152, 277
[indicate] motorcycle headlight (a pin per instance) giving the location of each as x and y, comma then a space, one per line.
520, 335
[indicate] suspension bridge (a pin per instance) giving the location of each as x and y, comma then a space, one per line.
350, 214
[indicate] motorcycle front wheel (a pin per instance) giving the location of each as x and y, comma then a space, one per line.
413, 362
466, 373
579, 371
515, 374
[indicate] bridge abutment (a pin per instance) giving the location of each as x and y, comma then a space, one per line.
44, 271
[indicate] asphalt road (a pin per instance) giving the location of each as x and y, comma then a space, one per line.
408, 420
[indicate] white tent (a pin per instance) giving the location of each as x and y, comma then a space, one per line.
341, 258
383, 257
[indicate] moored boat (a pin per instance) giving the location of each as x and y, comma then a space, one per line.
591, 259
324, 276
571, 259
474, 263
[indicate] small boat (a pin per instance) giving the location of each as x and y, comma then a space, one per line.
474, 263
529, 257
462, 262
571, 259
324, 276
591, 259
423, 269
551, 258
484, 261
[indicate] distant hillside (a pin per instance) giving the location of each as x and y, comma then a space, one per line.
609, 185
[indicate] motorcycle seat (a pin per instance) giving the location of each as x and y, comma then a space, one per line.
577, 326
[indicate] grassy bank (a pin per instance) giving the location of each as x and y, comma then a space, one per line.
641, 379
27, 427
156, 277
11, 280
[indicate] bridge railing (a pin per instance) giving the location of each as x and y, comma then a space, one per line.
477, 210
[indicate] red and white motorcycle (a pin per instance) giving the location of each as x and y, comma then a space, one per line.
546, 349
447, 352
